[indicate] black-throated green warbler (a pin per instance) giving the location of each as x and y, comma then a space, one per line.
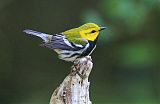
71, 44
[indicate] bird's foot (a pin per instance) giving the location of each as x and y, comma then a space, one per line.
76, 67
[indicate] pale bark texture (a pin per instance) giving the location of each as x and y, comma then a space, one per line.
75, 87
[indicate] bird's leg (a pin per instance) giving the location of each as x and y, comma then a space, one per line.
82, 73
77, 69
75, 66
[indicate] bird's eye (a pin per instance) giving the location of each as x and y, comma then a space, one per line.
93, 31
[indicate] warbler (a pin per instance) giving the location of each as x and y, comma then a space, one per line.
71, 44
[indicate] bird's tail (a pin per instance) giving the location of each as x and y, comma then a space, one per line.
44, 36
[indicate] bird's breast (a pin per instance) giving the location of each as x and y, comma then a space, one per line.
90, 48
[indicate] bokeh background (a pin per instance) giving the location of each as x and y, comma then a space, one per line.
126, 61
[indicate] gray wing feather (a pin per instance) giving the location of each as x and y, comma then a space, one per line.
44, 36
61, 42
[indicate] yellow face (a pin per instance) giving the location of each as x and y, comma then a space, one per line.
89, 31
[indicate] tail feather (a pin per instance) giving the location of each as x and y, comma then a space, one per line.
44, 36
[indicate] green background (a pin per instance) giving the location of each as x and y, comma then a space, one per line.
126, 60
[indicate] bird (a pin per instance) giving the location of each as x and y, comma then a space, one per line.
71, 44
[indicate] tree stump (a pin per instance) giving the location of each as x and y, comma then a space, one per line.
75, 87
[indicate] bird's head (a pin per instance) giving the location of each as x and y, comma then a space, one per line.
88, 31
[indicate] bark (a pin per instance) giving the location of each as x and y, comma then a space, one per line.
75, 87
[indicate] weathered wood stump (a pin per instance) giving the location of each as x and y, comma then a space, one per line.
75, 87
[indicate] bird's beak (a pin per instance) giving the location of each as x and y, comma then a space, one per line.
102, 28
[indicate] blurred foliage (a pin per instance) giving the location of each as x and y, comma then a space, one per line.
126, 60
137, 54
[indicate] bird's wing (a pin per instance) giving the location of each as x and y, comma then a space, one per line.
76, 39
44, 36
60, 41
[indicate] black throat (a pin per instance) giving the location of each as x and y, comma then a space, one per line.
92, 45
